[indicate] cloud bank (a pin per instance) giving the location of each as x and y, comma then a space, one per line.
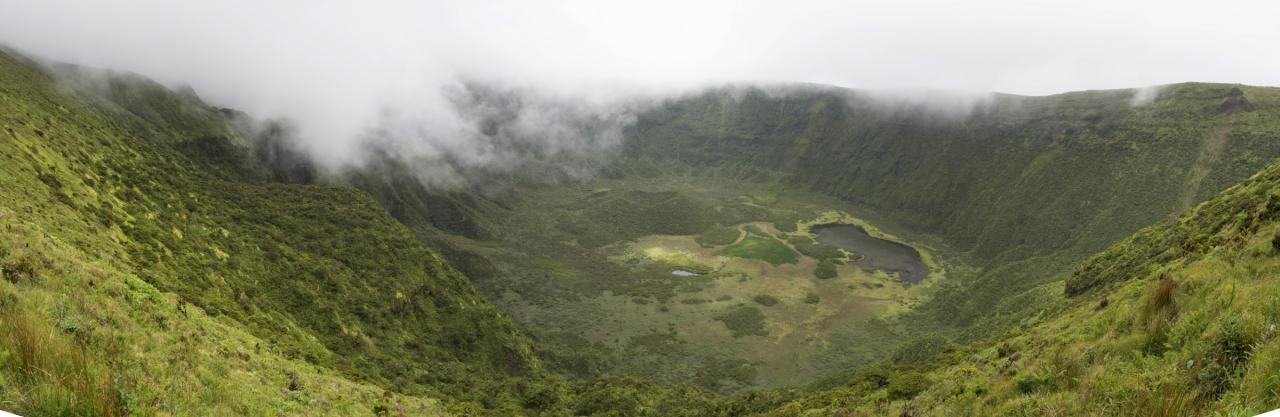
393, 70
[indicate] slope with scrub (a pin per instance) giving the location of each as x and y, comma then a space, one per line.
151, 265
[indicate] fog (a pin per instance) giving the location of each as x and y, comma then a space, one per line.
395, 72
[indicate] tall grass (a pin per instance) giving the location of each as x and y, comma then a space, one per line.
53, 375
1171, 400
1158, 315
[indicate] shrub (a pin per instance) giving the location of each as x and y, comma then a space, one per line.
920, 350
19, 270
1228, 351
744, 321
825, 270
1038, 381
905, 385
766, 300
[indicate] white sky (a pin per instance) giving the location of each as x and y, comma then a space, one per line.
337, 66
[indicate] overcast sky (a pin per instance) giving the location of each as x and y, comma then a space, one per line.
335, 66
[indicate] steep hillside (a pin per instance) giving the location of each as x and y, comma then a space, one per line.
151, 266
1180, 319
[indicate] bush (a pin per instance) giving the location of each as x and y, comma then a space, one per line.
1039, 381
905, 385
744, 321
920, 350
766, 300
825, 270
1227, 353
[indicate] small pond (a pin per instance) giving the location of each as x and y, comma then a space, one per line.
683, 273
885, 255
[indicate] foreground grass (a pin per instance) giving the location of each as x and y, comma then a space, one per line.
86, 338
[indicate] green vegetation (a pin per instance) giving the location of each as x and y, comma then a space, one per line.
765, 300
920, 351
538, 271
131, 226
613, 216
744, 321
719, 236
825, 270
764, 248
811, 248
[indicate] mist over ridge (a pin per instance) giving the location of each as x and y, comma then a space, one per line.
406, 76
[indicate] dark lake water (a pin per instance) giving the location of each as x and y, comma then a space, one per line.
885, 255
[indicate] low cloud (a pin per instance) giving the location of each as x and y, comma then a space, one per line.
1145, 95
404, 74
499, 132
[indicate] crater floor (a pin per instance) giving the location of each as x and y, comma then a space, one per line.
759, 310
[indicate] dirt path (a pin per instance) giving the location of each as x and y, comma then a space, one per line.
742, 234
1208, 155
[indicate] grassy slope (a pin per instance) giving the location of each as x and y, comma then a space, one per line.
162, 274
1180, 319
